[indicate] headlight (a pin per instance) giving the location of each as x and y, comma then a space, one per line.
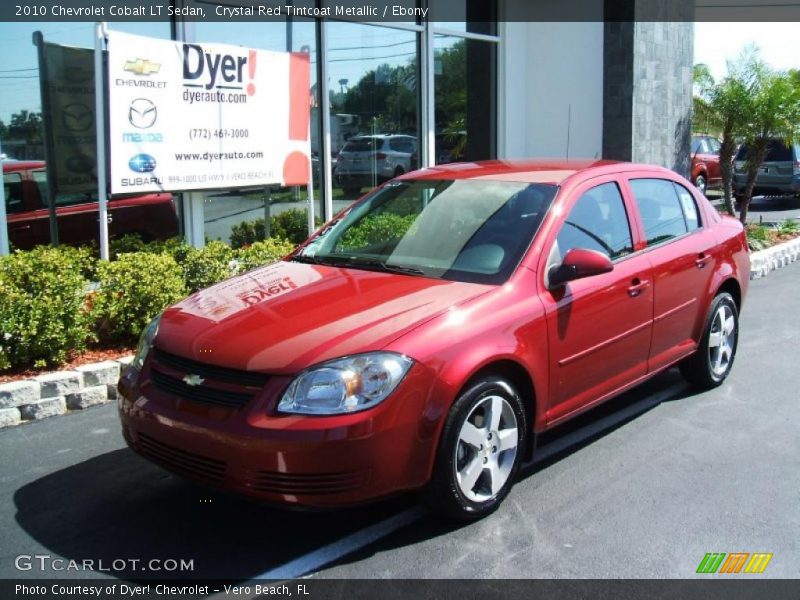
345, 385
145, 343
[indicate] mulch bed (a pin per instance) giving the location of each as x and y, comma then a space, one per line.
92, 355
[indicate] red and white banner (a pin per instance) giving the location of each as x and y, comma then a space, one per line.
188, 116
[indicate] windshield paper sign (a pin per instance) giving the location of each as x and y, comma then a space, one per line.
186, 116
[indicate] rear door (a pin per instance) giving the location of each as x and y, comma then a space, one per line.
20, 232
598, 327
682, 253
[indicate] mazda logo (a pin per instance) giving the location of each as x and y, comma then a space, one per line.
77, 117
142, 113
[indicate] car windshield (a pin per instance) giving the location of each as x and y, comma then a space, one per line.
463, 230
777, 151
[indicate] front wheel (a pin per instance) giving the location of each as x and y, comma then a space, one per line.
712, 362
480, 451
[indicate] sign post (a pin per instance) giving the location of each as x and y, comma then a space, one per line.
4, 249
99, 107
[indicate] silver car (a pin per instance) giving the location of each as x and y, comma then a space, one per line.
368, 160
778, 175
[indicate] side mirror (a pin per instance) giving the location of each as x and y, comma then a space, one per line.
577, 264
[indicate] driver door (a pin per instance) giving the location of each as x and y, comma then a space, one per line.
599, 327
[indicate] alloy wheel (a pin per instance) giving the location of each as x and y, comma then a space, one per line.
486, 449
721, 340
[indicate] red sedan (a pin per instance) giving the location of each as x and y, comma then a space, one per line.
425, 337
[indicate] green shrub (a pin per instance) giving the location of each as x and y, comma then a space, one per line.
124, 244
376, 229
42, 313
262, 253
133, 290
289, 225
206, 266
247, 232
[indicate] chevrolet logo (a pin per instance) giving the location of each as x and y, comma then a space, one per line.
193, 379
142, 66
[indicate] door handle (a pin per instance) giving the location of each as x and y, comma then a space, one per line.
702, 260
109, 219
637, 287
19, 227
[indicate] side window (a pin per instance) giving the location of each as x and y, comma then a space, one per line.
12, 185
597, 221
661, 211
40, 178
689, 206
714, 145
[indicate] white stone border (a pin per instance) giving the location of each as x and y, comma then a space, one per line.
52, 394
764, 261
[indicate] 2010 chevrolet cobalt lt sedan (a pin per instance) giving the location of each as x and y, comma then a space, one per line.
424, 337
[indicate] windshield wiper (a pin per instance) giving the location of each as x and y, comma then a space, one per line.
355, 262
313, 260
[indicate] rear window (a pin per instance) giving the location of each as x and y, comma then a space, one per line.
777, 152
361, 145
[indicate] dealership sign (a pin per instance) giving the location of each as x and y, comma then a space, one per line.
187, 116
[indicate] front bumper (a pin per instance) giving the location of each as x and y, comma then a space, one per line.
285, 459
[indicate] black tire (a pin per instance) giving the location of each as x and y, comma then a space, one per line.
711, 364
398, 171
444, 494
701, 183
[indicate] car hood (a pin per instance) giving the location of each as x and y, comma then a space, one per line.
284, 317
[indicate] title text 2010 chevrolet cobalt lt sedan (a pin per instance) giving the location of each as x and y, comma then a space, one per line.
423, 338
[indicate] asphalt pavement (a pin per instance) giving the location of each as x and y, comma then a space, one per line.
642, 487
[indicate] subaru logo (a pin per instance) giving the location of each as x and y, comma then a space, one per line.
193, 379
142, 113
142, 163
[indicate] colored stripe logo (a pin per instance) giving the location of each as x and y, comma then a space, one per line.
733, 563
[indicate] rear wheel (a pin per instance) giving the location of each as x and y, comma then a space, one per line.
712, 362
700, 183
480, 451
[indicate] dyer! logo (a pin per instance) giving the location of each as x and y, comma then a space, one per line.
735, 562
221, 71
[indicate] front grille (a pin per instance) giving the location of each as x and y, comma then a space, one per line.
187, 365
182, 462
199, 393
307, 483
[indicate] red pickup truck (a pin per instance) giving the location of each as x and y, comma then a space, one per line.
152, 216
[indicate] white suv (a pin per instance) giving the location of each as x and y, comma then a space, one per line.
368, 160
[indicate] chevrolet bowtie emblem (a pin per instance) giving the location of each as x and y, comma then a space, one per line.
142, 66
193, 379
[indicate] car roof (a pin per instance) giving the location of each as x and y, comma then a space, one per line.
547, 171
382, 136
22, 165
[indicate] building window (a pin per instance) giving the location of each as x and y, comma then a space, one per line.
372, 76
465, 99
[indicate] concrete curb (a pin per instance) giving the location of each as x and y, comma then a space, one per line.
52, 394
763, 262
